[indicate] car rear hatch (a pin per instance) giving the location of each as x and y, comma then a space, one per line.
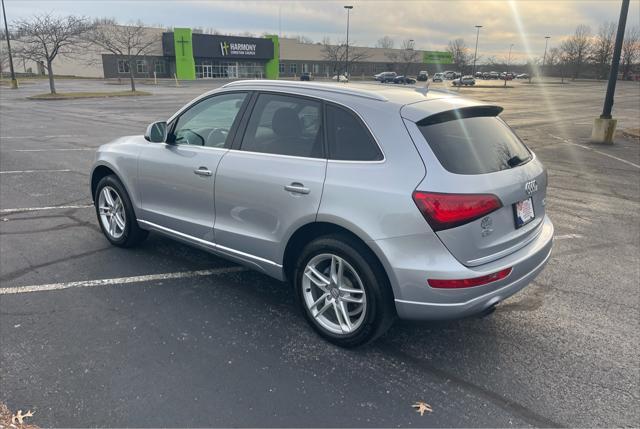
484, 191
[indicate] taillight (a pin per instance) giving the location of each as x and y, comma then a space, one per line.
475, 281
444, 211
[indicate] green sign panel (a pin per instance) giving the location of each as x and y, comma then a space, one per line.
437, 57
183, 44
272, 68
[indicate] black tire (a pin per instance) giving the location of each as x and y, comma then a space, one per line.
132, 234
380, 312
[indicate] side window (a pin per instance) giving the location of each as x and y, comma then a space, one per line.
285, 125
208, 122
348, 138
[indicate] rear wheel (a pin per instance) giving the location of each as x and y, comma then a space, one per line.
115, 214
343, 291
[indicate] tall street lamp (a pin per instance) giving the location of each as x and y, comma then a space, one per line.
604, 127
544, 57
346, 61
14, 82
475, 55
508, 63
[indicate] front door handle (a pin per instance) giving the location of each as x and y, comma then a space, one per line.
297, 188
203, 171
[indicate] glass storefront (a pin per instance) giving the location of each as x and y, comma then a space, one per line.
209, 69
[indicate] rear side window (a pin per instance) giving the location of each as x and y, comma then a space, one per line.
348, 138
475, 145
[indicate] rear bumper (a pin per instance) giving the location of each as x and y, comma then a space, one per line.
415, 300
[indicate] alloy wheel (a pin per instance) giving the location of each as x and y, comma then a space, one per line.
112, 213
334, 294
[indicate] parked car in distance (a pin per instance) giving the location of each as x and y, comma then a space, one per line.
404, 80
506, 76
522, 76
449, 75
373, 205
478, 75
423, 76
340, 78
306, 76
467, 80
385, 77
494, 75
438, 77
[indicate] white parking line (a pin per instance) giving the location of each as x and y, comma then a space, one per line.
44, 137
120, 280
55, 150
37, 209
567, 236
596, 151
35, 171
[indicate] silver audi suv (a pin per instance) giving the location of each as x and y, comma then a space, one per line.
373, 202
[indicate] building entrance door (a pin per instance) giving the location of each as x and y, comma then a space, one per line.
232, 71
207, 71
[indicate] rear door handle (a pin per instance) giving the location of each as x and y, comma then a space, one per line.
297, 188
203, 171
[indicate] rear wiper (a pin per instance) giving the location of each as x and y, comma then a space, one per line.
515, 161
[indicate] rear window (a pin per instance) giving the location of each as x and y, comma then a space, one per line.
475, 145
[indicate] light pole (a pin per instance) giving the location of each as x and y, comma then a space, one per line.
14, 82
544, 57
604, 127
508, 63
346, 61
475, 55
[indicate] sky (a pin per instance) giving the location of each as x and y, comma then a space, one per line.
431, 24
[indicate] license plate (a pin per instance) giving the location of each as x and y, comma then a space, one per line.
523, 212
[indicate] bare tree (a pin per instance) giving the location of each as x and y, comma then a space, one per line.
630, 50
4, 57
45, 37
128, 42
576, 49
602, 50
460, 54
385, 42
336, 55
408, 55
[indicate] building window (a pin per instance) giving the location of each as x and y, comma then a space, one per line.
141, 66
123, 66
293, 68
282, 68
305, 68
160, 67
316, 69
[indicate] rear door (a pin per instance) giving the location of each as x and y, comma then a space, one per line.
473, 151
271, 182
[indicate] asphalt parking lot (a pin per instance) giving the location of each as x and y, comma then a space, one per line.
230, 349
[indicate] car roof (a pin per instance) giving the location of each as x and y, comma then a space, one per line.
373, 91
415, 102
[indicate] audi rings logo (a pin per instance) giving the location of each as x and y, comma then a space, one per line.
531, 187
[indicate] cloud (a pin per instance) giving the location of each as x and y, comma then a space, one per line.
430, 23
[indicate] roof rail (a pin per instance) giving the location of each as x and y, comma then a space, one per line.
328, 87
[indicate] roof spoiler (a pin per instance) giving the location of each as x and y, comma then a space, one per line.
460, 113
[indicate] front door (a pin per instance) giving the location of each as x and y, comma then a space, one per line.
272, 183
207, 71
176, 179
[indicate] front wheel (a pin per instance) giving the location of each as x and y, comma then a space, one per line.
343, 291
115, 214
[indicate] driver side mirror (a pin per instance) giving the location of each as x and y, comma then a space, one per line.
156, 132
